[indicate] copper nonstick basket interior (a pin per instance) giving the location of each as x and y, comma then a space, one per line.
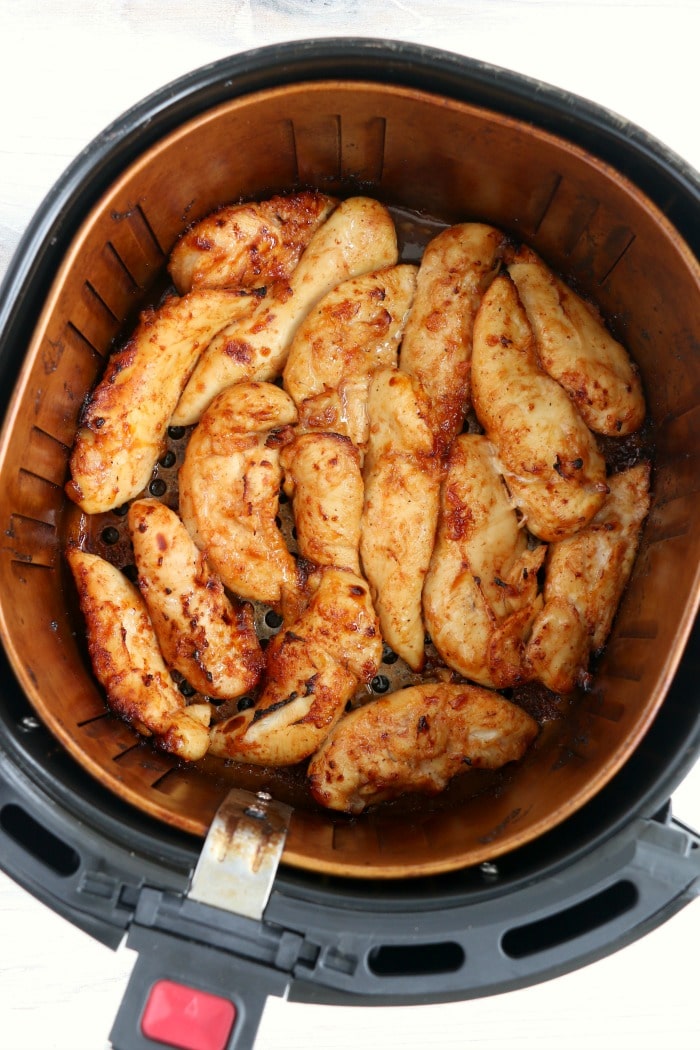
434, 161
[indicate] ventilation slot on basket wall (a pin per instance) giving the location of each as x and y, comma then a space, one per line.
405, 960
566, 925
37, 840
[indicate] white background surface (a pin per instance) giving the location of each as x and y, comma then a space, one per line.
67, 69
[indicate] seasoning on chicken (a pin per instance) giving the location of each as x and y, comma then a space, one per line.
315, 664
354, 330
207, 637
358, 237
402, 486
585, 577
416, 740
123, 426
549, 458
322, 476
456, 269
480, 594
577, 350
250, 245
127, 661
229, 490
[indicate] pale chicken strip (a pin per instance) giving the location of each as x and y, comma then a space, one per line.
549, 458
229, 490
123, 426
202, 633
358, 237
402, 486
323, 479
127, 661
354, 330
578, 351
250, 245
584, 582
481, 593
416, 740
314, 666
456, 269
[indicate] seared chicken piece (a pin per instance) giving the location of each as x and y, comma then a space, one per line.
585, 578
204, 635
314, 666
124, 424
322, 476
248, 245
480, 593
402, 487
127, 661
416, 740
549, 458
456, 269
229, 490
354, 330
576, 349
358, 237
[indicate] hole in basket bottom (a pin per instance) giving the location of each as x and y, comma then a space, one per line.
38, 841
403, 960
570, 923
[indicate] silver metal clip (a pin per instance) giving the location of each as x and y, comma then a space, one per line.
241, 853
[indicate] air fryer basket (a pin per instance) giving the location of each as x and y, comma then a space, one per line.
405, 138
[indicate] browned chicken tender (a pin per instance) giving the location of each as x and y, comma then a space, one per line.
481, 592
585, 577
357, 238
577, 350
402, 487
249, 245
354, 330
122, 429
301, 353
416, 740
229, 490
549, 458
202, 633
323, 478
127, 661
456, 269
315, 664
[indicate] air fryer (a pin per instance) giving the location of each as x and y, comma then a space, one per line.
534, 871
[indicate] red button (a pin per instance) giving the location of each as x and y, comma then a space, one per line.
186, 1018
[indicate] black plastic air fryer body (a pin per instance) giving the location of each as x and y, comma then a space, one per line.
612, 871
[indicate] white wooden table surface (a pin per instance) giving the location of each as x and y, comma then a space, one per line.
68, 68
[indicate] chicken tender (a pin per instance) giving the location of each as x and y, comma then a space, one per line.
577, 350
549, 458
480, 594
402, 485
456, 269
357, 238
314, 666
354, 330
123, 426
248, 245
127, 661
585, 577
323, 478
416, 740
229, 490
207, 637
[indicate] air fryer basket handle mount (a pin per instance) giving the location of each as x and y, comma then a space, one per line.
309, 948
244, 984
315, 954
